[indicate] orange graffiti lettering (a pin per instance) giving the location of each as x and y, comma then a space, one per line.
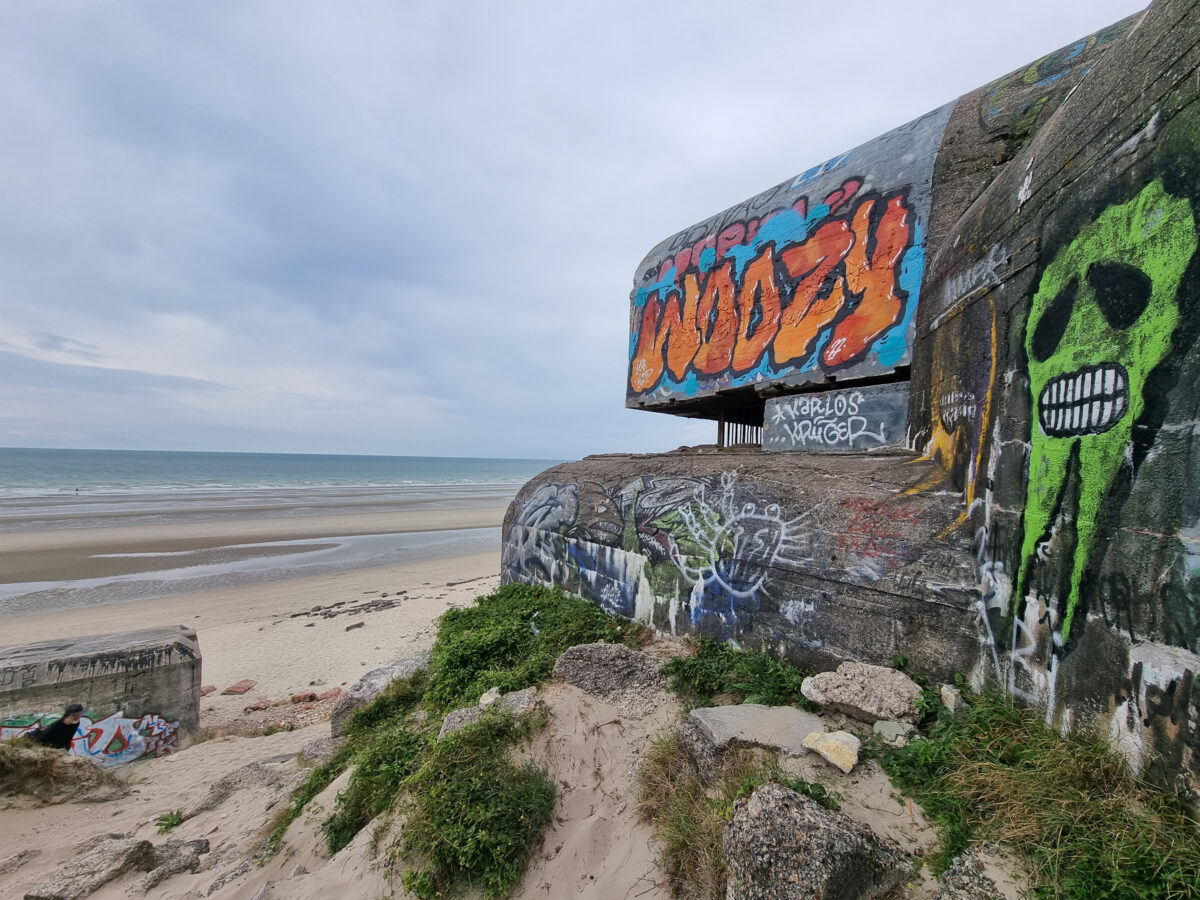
837, 289
758, 290
873, 281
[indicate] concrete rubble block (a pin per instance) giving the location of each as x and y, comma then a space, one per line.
371, 686
838, 748
865, 692
982, 873
320, 750
952, 699
149, 672
616, 674
780, 728
87, 873
516, 702
782, 846
172, 858
894, 734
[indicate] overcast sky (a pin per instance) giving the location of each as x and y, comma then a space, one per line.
404, 228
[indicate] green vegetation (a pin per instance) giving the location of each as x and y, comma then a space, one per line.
689, 811
471, 814
511, 638
750, 676
170, 820
1070, 805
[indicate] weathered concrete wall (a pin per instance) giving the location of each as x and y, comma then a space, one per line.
817, 558
1025, 261
1063, 309
140, 689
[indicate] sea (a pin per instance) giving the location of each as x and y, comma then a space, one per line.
44, 491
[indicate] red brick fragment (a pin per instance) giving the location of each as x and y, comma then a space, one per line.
241, 687
304, 697
261, 704
207, 689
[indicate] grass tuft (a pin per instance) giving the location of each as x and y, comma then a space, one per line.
689, 812
511, 638
749, 675
472, 815
1069, 804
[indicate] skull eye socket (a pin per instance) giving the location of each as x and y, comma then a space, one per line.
1053, 323
1122, 291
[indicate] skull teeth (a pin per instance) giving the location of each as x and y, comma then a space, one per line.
1089, 401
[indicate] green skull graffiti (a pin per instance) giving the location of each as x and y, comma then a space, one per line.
1100, 321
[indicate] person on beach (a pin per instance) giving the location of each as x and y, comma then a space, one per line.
60, 733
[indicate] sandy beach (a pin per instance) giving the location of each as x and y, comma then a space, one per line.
259, 631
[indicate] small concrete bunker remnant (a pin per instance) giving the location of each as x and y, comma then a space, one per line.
140, 689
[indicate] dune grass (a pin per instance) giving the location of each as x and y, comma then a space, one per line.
689, 811
1068, 804
747, 676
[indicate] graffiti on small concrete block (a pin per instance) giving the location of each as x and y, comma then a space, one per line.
111, 741
848, 420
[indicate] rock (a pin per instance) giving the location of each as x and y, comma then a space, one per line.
369, 687
304, 697
516, 702
492, 695
241, 687
965, 880
85, 874
838, 748
263, 893
207, 689
250, 775
894, 734
614, 673
14, 862
320, 751
298, 871
780, 728
173, 857
356, 625
781, 846
952, 699
865, 692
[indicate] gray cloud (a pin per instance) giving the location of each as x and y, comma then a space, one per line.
408, 228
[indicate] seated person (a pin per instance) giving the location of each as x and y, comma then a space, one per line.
60, 733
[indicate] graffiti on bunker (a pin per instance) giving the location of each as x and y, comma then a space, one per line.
801, 288
1101, 319
708, 544
111, 741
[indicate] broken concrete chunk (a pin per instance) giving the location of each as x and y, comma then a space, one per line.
780, 728
838, 748
87, 873
865, 692
173, 857
516, 702
894, 734
371, 686
952, 699
614, 673
781, 846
